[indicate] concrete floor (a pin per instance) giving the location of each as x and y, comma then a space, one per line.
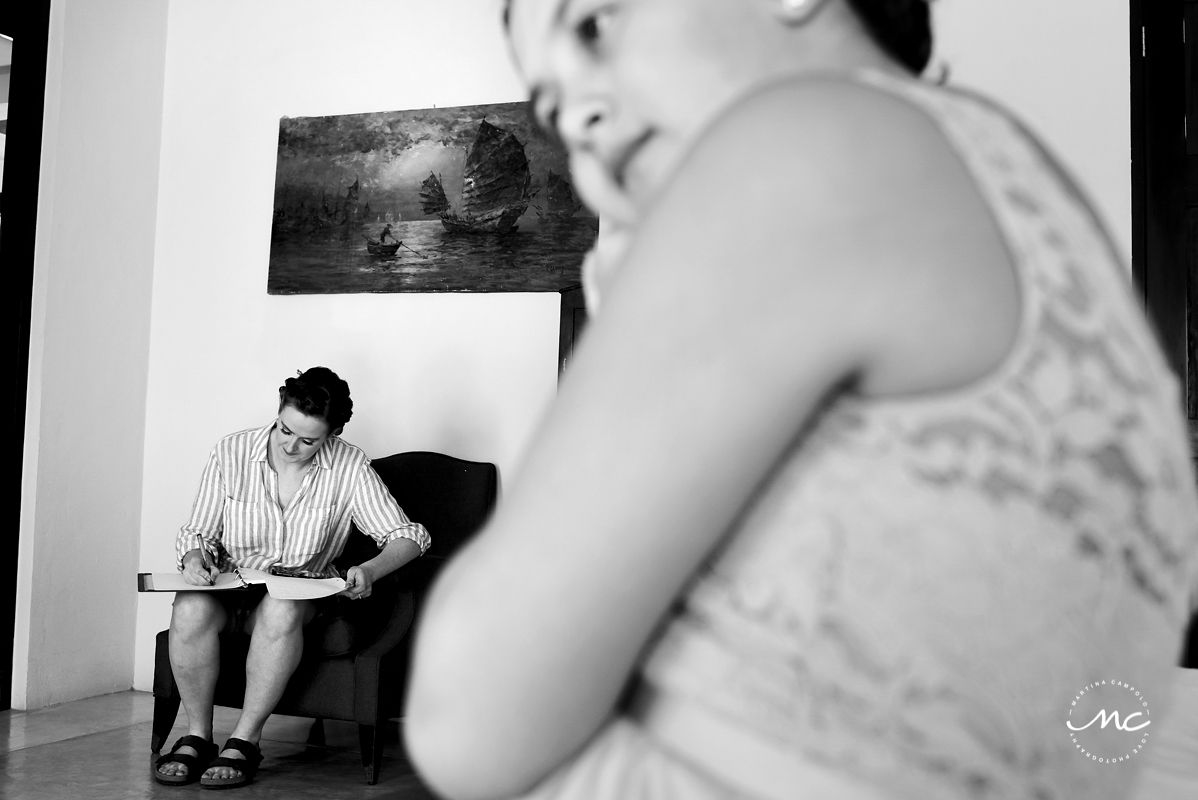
99, 749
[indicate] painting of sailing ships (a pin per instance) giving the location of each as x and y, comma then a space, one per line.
461, 199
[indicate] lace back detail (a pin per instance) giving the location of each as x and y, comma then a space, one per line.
924, 584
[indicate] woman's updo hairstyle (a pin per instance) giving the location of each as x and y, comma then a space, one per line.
318, 392
903, 28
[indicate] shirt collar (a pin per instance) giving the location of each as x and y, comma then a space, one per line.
323, 459
259, 442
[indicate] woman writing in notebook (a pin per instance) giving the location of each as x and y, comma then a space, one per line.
279, 497
866, 465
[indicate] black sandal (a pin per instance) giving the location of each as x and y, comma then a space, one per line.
205, 752
247, 766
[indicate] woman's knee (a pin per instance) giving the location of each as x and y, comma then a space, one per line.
281, 617
194, 612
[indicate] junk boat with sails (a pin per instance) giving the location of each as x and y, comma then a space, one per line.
496, 186
560, 201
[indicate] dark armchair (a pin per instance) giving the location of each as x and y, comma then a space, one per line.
354, 666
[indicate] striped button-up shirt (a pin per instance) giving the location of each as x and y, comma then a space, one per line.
237, 507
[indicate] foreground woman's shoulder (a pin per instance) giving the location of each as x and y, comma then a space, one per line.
812, 152
853, 195
838, 119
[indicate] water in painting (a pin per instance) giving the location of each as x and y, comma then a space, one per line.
430, 259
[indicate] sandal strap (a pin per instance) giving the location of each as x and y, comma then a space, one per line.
247, 749
198, 742
186, 759
205, 750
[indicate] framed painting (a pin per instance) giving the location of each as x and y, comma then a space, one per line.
461, 199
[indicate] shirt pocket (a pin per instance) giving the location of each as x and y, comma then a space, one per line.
308, 535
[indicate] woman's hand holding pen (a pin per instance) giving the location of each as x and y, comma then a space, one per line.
198, 569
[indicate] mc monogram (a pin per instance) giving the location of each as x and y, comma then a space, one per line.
1108, 721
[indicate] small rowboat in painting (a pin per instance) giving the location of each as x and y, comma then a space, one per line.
378, 249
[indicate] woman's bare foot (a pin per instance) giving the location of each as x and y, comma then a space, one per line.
189, 756
236, 765
178, 768
222, 773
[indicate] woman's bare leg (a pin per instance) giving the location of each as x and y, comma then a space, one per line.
196, 621
276, 644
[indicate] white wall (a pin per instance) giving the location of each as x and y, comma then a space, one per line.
152, 333
465, 374
89, 337
1063, 66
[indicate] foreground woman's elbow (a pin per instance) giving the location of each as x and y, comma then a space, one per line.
455, 756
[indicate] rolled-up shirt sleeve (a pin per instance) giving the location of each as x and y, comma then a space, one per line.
206, 517
377, 515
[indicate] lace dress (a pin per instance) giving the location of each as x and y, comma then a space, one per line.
926, 583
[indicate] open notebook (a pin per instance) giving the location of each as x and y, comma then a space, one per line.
283, 587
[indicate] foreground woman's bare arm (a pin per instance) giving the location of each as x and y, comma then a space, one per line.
766, 276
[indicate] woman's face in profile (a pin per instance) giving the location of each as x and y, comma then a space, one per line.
629, 84
297, 437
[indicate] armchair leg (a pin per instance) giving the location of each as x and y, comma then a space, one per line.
316, 736
166, 709
370, 738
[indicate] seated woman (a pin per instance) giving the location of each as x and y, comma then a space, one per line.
279, 496
867, 466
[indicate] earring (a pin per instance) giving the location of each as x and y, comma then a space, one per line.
797, 11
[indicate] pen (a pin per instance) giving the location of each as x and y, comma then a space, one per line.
203, 555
